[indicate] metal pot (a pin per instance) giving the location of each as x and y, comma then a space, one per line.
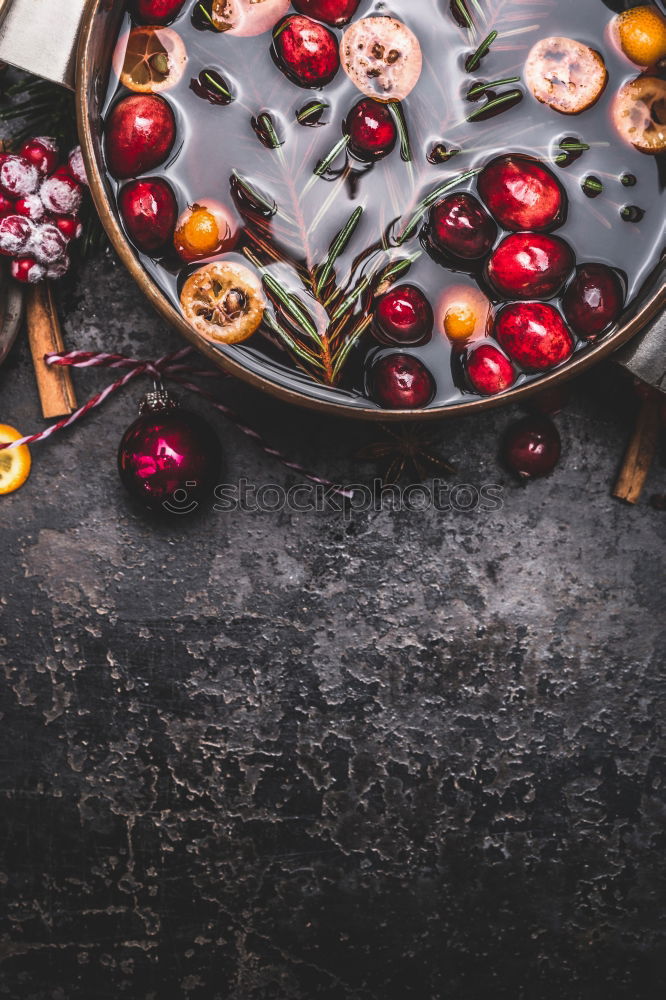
71, 41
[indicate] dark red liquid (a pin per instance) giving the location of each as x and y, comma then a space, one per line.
216, 139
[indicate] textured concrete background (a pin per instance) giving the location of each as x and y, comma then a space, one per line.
287, 756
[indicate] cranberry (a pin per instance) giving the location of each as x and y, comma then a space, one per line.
42, 152
593, 300
522, 194
333, 12
15, 234
48, 244
69, 225
7, 205
27, 270
534, 335
401, 382
18, 177
31, 206
157, 11
60, 193
404, 316
460, 226
371, 129
306, 51
77, 167
140, 132
530, 266
149, 211
488, 370
532, 447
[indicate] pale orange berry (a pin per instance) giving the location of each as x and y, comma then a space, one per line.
464, 313
641, 33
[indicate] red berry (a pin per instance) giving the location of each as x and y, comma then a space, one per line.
371, 129
58, 269
42, 152
18, 177
69, 225
6, 205
488, 370
534, 335
401, 382
61, 194
48, 244
593, 300
27, 270
404, 316
77, 167
530, 266
333, 12
306, 51
522, 194
149, 211
157, 11
532, 447
460, 226
140, 133
31, 206
15, 234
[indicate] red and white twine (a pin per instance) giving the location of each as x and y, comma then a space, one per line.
169, 366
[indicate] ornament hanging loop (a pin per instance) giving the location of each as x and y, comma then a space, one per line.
159, 399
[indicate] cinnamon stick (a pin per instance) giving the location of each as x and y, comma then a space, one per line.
56, 391
641, 451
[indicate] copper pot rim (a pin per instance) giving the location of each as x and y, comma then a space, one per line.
580, 363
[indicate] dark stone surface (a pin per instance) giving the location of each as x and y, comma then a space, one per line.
283, 756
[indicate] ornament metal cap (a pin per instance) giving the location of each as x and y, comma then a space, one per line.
158, 400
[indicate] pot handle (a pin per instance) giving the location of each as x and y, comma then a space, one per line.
40, 36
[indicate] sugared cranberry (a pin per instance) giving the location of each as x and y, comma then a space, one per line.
31, 206
371, 129
522, 194
404, 316
77, 167
532, 447
18, 177
530, 266
48, 244
593, 300
15, 234
61, 194
461, 227
42, 152
149, 211
401, 382
6, 205
306, 51
140, 132
333, 12
69, 225
488, 370
59, 268
157, 11
27, 270
534, 335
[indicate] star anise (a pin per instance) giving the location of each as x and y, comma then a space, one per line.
405, 451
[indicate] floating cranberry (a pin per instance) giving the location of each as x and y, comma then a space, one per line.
60, 193
371, 129
534, 335
522, 194
15, 234
532, 447
461, 227
27, 270
593, 300
31, 206
401, 382
42, 152
157, 11
530, 266
333, 12
404, 316
488, 370
18, 177
149, 211
307, 52
140, 133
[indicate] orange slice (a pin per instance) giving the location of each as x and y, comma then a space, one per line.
224, 302
14, 463
149, 60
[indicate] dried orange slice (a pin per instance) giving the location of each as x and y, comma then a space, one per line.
383, 57
565, 74
149, 60
639, 113
641, 33
224, 301
14, 463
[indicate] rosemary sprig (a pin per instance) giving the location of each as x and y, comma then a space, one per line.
481, 88
324, 165
338, 247
293, 307
427, 202
501, 102
474, 61
401, 124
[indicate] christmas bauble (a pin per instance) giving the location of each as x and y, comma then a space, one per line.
169, 458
